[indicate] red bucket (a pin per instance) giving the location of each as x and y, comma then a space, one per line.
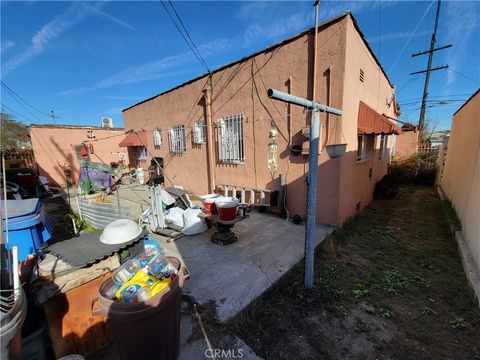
209, 203
227, 208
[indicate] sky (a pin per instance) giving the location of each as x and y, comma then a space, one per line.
86, 60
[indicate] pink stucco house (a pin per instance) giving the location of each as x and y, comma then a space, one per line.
215, 129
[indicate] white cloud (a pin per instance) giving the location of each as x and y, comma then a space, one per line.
96, 11
122, 97
6, 45
113, 111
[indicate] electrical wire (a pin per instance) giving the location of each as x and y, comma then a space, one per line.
191, 46
465, 76
18, 114
188, 35
16, 96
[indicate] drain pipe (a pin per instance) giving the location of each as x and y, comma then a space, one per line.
316, 108
207, 92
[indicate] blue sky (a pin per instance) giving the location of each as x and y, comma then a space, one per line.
85, 60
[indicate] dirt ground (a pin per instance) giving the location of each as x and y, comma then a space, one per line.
58, 210
389, 284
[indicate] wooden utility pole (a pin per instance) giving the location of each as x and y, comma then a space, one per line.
421, 120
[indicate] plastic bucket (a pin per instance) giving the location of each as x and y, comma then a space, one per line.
209, 203
149, 329
227, 208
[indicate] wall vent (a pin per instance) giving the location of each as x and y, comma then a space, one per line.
362, 76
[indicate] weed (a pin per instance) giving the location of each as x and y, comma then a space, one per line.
360, 290
393, 281
428, 311
81, 224
458, 322
360, 327
427, 264
420, 281
451, 215
385, 313
370, 309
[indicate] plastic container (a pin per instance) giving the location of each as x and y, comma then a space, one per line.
226, 207
140, 175
146, 330
28, 227
126, 271
208, 202
11, 322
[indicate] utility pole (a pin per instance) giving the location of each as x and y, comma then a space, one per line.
316, 108
421, 120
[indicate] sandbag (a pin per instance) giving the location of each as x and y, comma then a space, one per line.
192, 224
175, 217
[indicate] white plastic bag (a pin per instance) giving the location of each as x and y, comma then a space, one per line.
167, 199
175, 217
192, 224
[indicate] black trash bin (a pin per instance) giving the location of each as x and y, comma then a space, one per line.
148, 329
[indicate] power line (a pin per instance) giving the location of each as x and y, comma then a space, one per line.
18, 114
186, 32
15, 95
465, 76
192, 45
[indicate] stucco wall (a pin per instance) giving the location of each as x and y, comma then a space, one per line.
406, 144
242, 88
356, 184
461, 176
53, 146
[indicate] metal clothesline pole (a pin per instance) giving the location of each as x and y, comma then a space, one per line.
316, 108
161, 167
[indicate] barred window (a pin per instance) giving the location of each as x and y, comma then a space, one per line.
383, 147
157, 138
230, 139
199, 132
177, 139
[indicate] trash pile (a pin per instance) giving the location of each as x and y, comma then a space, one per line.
142, 277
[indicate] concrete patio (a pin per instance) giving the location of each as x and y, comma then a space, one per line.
234, 275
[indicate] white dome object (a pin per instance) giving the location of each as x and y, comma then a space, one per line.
120, 231
226, 202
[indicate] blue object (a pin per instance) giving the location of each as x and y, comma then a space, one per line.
28, 226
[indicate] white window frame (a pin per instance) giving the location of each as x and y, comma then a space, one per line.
157, 138
230, 139
366, 147
176, 136
199, 133
383, 147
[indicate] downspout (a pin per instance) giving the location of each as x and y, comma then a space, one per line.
207, 92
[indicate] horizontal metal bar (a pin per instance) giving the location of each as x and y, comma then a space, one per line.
424, 71
292, 99
430, 51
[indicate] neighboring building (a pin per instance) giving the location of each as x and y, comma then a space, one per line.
405, 143
461, 177
57, 146
439, 138
349, 77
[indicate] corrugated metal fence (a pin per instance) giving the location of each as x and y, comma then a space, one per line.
100, 214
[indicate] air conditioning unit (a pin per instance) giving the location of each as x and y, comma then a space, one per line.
107, 122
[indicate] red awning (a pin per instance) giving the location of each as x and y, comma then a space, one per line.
132, 139
371, 122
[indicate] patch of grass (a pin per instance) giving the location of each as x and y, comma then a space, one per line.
361, 327
451, 214
360, 290
428, 311
458, 322
393, 281
428, 264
